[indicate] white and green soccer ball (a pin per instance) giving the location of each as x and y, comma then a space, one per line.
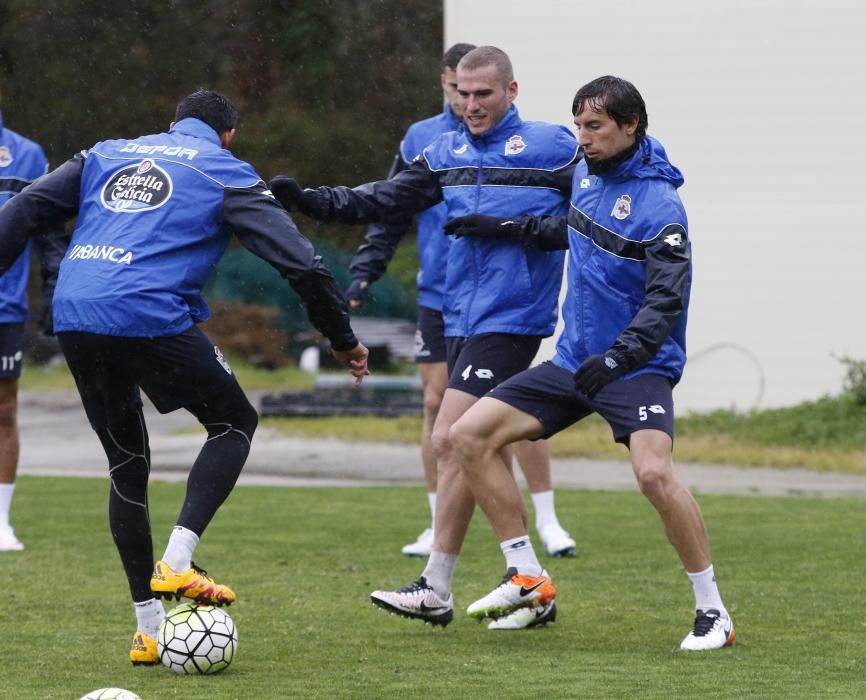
197, 638
110, 694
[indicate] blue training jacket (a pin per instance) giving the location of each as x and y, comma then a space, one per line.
629, 268
21, 162
518, 167
371, 259
155, 214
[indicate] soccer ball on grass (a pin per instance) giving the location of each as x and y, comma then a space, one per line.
197, 638
110, 694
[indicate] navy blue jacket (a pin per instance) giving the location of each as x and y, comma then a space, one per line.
155, 215
371, 259
518, 167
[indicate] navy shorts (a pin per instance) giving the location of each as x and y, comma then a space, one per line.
181, 371
547, 392
479, 363
430, 336
11, 335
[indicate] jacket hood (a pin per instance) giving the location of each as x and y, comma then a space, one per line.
649, 162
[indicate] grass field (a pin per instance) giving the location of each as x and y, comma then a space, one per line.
303, 562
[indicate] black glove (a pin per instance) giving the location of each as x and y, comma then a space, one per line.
596, 372
357, 291
484, 227
290, 194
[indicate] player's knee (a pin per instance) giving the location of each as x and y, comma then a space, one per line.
432, 402
466, 443
441, 444
653, 478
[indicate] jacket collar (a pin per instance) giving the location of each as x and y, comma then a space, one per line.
508, 123
197, 128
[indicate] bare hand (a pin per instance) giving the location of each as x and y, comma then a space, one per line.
356, 360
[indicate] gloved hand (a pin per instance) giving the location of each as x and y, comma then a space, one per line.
289, 193
357, 293
596, 372
483, 226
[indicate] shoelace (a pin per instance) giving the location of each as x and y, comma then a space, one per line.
201, 572
510, 573
704, 622
420, 584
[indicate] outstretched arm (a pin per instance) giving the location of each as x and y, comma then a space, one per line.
267, 230
395, 200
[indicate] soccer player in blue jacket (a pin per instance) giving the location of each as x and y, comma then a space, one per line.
622, 349
21, 162
155, 215
369, 264
500, 297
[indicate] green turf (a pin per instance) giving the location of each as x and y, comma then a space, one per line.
303, 562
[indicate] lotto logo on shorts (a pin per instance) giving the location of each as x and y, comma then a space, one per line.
480, 373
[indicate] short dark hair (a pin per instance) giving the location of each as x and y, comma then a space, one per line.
211, 107
618, 97
452, 56
485, 56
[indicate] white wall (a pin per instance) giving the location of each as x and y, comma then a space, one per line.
761, 103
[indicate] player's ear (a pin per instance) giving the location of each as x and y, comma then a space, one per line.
226, 137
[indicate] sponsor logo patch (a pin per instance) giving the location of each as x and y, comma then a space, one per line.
136, 188
584, 183
5, 156
622, 207
674, 240
514, 145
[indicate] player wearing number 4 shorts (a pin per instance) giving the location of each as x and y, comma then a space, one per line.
620, 353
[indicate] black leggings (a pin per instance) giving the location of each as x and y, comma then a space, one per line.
230, 426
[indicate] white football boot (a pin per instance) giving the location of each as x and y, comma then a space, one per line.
712, 630
556, 541
420, 547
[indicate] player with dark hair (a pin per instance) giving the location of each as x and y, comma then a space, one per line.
155, 215
369, 264
620, 354
21, 162
500, 297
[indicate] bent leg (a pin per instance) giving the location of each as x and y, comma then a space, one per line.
478, 438
681, 516
230, 421
454, 501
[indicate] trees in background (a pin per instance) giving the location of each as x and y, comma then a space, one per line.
325, 88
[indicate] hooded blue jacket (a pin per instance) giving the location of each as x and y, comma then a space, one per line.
371, 259
21, 162
629, 268
155, 214
518, 167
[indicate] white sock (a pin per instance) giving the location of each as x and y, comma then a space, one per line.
707, 594
545, 512
6, 492
181, 545
440, 571
149, 614
431, 499
519, 554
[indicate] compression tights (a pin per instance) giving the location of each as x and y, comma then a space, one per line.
212, 477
